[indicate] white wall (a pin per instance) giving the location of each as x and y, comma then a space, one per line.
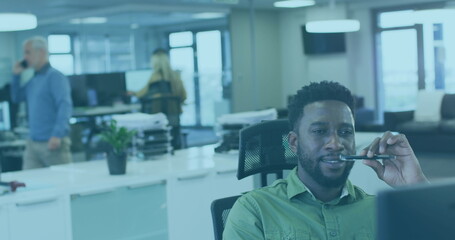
361, 58
354, 69
265, 91
299, 69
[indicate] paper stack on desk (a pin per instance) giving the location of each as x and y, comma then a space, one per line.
142, 121
153, 137
229, 126
249, 117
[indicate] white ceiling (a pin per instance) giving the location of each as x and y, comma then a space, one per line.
126, 12
143, 11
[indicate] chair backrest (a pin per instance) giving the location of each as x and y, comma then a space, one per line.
220, 211
159, 98
169, 105
264, 149
162, 87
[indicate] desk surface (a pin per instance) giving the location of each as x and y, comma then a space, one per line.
87, 176
93, 175
15, 143
105, 110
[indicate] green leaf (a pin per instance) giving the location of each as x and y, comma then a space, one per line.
117, 137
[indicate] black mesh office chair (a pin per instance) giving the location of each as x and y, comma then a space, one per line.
264, 149
159, 99
220, 211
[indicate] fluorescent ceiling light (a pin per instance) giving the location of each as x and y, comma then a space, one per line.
209, 15
294, 3
17, 22
434, 15
333, 26
89, 20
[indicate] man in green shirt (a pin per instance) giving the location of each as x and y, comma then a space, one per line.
316, 201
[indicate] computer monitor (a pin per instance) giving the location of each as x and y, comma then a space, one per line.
79, 90
418, 212
109, 87
5, 123
137, 79
102, 89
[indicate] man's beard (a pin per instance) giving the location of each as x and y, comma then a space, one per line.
312, 167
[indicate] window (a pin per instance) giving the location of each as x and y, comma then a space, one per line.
63, 62
61, 54
181, 39
120, 50
106, 53
210, 75
182, 59
399, 71
416, 51
200, 58
59, 43
396, 19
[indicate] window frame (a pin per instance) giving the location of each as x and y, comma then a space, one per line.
226, 83
71, 52
377, 67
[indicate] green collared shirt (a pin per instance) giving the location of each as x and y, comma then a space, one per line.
288, 210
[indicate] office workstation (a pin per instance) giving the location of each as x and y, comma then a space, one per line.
173, 119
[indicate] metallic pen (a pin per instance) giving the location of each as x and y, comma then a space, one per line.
375, 157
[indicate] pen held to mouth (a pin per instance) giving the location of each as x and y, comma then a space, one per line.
375, 157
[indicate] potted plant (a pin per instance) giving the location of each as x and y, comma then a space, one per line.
118, 139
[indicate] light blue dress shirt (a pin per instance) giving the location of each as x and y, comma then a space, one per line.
49, 104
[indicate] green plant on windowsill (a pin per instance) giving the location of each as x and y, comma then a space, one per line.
118, 138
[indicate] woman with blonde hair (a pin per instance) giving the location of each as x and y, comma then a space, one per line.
163, 82
164, 93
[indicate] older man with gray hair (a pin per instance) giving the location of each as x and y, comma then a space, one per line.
49, 106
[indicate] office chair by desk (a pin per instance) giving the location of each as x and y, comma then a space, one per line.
220, 210
159, 99
264, 149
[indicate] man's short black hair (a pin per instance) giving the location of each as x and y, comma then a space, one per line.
325, 90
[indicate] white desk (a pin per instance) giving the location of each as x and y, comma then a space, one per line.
91, 113
13, 144
179, 188
105, 110
168, 198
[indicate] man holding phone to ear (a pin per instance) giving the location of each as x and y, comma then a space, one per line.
49, 106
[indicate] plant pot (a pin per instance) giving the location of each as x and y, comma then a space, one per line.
116, 163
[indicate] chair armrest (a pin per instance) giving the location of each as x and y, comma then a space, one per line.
392, 119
